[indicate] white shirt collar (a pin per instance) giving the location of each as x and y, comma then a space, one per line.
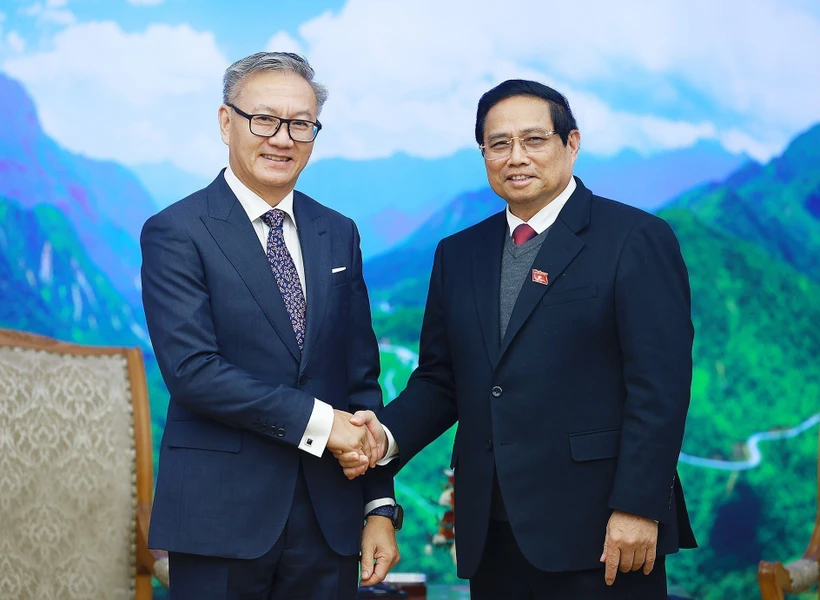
253, 204
545, 217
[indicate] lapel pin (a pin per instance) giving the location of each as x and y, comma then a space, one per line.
540, 277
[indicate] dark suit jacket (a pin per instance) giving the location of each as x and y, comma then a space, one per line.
581, 407
241, 392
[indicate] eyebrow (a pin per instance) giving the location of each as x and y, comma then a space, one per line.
506, 136
272, 112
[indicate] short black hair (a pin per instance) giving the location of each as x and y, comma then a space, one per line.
563, 120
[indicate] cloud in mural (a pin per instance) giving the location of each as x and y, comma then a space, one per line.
406, 76
131, 97
418, 68
51, 11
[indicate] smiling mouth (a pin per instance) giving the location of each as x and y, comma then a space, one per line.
279, 159
519, 177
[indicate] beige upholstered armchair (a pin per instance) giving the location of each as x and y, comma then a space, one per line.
76, 472
774, 578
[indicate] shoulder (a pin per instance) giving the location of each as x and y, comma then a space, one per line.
491, 227
613, 214
309, 206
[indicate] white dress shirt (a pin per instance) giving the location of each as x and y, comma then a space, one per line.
317, 432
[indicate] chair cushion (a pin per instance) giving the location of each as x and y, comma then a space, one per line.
68, 476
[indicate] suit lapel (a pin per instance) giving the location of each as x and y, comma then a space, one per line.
232, 230
314, 238
556, 253
487, 281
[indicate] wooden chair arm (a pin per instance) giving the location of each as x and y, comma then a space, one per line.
154, 562
774, 578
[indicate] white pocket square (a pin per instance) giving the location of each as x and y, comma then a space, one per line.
337, 269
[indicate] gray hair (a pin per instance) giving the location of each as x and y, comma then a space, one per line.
270, 61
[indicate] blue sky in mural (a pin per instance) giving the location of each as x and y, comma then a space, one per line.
138, 81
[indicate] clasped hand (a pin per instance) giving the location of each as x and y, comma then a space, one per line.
354, 460
353, 442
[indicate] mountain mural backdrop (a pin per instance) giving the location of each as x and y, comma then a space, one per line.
750, 233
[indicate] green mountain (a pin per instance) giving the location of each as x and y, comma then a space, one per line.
756, 340
775, 206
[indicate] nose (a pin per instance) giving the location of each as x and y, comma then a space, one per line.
518, 154
281, 137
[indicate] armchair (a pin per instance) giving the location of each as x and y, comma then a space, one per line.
774, 578
76, 471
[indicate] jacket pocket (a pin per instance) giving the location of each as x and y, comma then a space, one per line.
204, 435
571, 295
595, 445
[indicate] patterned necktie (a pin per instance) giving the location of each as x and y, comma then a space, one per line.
287, 277
522, 234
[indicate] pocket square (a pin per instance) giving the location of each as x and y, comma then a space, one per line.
337, 269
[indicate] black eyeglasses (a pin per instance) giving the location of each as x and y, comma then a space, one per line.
299, 130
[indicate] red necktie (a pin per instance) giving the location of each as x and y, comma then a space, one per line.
523, 233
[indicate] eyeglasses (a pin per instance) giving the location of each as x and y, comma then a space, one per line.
533, 142
299, 130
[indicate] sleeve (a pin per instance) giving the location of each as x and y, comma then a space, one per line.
655, 332
427, 407
363, 368
180, 323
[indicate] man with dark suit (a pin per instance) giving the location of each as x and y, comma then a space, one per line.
260, 321
558, 335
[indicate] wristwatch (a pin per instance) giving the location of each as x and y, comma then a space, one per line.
394, 513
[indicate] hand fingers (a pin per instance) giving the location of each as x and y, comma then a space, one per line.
365, 443
353, 472
613, 558
627, 557
380, 570
374, 449
367, 563
361, 417
350, 459
638, 559
650, 561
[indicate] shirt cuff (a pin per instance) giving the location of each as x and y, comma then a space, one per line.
392, 449
317, 432
377, 503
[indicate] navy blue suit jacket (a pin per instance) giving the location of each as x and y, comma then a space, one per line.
241, 391
581, 407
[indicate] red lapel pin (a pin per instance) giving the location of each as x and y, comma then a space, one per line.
540, 277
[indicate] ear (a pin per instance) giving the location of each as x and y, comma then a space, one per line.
224, 116
574, 143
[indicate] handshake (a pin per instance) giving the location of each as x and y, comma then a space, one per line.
357, 441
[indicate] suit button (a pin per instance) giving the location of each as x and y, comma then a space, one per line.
256, 424
280, 432
303, 379
497, 391
489, 444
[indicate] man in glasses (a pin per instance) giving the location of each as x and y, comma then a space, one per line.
260, 321
558, 335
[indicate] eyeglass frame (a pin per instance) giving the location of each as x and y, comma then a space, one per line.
316, 124
521, 141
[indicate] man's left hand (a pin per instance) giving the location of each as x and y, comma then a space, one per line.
380, 552
631, 542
